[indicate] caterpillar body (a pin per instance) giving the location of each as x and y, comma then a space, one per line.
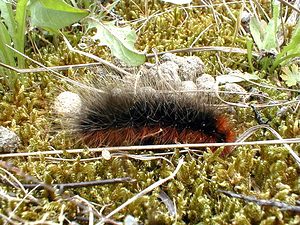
118, 112
120, 116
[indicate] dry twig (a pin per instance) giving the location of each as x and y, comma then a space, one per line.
151, 147
262, 202
143, 192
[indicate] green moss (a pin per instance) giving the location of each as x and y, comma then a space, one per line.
262, 171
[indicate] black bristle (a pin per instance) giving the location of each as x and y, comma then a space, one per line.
127, 109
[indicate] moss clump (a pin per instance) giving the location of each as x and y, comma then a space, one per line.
267, 172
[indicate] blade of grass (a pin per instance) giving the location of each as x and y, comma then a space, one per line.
292, 49
8, 17
270, 38
7, 56
249, 54
19, 39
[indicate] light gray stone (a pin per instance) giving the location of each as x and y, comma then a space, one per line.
67, 103
9, 141
170, 71
190, 67
205, 82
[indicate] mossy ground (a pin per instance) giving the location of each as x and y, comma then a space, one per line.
267, 172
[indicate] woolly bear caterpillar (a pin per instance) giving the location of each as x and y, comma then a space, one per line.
150, 111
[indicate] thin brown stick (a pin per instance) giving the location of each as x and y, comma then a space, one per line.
11, 167
45, 69
145, 191
262, 202
151, 147
104, 62
289, 5
206, 48
96, 58
58, 75
251, 130
63, 186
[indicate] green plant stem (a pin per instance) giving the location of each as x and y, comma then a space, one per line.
249, 54
20, 31
279, 60
7, 29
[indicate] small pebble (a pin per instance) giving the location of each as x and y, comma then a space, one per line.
232, 87
9, 141
170, 71
205, 82
245, 17
67, 103
190, 67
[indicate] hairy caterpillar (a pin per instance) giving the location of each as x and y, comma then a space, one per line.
118, 112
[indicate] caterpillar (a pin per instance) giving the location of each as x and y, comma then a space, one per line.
118, 112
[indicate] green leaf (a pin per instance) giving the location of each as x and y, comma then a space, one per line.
54, 14
6, 54
19, 38
120, 40
7, 14
291, 50
265, 35
294, 46
270, 39
108, 9
256, 32
291, 76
